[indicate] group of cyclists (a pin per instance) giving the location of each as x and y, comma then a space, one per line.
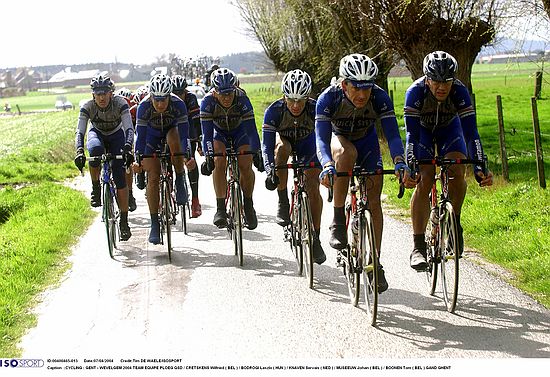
336, 132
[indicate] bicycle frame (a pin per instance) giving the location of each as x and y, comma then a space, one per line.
233, 197
300, 230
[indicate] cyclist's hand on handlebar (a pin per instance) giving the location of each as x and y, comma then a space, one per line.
258, 161
80, 159
272, 181
207, 167
402, 169
324, 176
191, 164
127, 155
137, 168
482, 179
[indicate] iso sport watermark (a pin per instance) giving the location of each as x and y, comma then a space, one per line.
21, 363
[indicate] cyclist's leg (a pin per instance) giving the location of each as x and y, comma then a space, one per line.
193, 175
344, 154
420, 204
247, 177
219, 180
95, 148
282, 151
173, 140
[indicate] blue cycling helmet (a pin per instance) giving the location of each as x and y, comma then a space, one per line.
102, 84
179, 83
440, 66
224, 80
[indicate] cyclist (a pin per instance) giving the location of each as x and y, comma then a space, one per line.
226, 112
112, 131
161, 115
208, 76
349, 111
129, 96
179, 85
439, 111
289, 125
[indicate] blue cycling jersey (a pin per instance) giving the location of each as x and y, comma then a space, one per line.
335, 113
424, 113
278, 118
160, 123
240, 115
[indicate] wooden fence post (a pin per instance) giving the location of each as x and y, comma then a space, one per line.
538, 144
391, 95
538, 84
503, 154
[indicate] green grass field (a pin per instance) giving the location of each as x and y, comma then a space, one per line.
508, 224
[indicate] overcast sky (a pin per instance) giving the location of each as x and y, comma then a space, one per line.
75, 31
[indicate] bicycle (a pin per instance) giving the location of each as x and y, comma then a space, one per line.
234, 198
442, 249
361, 256
168, 208
110, 213
299, 232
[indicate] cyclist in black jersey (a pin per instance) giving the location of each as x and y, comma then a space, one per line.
111, 131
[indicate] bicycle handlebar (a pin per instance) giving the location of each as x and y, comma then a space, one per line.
231, 153
441, 161
298, 165
162, 154
105, 157
360, 172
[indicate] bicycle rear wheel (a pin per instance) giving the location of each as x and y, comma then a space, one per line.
306, 236
108, 218
449, 256
167, 216
236, 220
369, 257
295, 244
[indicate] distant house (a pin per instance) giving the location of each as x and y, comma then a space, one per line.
69, 78
510, 58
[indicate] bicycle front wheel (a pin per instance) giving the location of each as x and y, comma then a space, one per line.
295, 243
306, 236
432, 255
167, 216
236, 219
183, 210
449, 256
352, 271
369, 257
109, 218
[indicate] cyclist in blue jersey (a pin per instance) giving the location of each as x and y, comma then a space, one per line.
179, 85
439, 112
289, 125
161, 115
346, 114
111, 131
226, 113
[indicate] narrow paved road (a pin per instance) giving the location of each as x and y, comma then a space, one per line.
204, 308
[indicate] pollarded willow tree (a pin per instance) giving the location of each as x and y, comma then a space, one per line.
314, 36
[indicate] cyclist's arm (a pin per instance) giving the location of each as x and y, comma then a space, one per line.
323, 134
81, 127
207, 125
412, 125
141, 130
183, 130
389, 125
268, 147
127, 126
467, 117
252, 132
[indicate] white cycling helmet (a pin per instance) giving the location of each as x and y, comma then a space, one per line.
358, 67
124, 92
296, 84
160, 86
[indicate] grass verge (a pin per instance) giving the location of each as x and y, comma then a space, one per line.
39, 223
